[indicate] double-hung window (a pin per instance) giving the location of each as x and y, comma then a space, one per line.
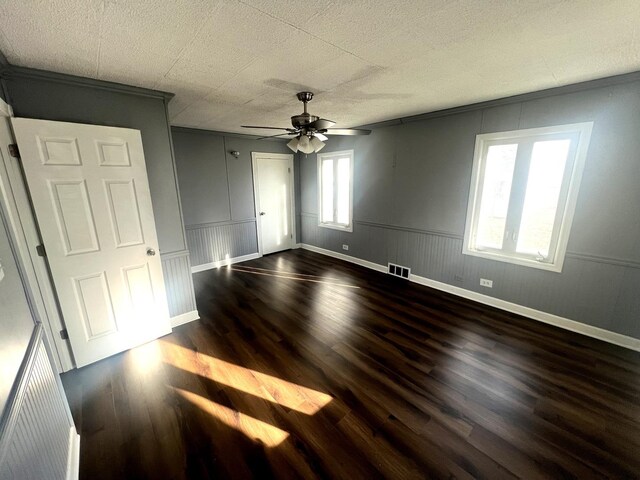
524, 189
335, 190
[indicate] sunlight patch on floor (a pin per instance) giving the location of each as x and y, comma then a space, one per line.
267, 387
326, 277
252, 427
146, 358
289, 276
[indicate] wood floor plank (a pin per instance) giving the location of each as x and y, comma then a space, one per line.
303, 366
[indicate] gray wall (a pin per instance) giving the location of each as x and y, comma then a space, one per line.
16, 322
217, 192
35, 420
410, 198
51, 96
48, 99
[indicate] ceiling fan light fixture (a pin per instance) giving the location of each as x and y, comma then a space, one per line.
304, 144
317, 144
293, 144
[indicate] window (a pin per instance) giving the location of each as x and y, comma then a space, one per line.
524, 189
335, 190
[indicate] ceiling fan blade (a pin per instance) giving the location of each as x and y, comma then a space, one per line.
320, 136
268, 128
346, 131
321, 124
278, 135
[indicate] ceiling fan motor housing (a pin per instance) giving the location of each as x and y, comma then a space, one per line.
303, 119
311, 126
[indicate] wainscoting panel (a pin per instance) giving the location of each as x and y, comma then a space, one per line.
372, 243
431, 256
309, 229
367, 242
212, 242
38, 436
593, 290
178, 283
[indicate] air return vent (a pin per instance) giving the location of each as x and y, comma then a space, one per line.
399, 271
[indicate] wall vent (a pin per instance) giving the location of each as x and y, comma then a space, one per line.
399, 271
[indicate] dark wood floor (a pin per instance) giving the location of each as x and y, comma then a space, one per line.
304, 366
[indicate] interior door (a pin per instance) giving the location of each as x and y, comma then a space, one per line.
90, 193
273, 181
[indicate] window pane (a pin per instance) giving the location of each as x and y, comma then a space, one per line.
496, 189
327, 191
548, 160
344, 180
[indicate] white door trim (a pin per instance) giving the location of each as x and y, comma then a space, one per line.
256, 198
39, 286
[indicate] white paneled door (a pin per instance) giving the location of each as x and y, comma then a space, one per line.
273, 185
91, 198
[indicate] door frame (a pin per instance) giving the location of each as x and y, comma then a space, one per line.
37, 277
255, 157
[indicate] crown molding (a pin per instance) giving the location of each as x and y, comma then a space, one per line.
523, 97
12, 71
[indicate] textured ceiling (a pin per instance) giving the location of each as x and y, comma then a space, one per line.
241, 62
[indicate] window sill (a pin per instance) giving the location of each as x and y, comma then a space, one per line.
550, 267
343, 228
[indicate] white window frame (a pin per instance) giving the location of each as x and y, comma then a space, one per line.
335, 156
581, 133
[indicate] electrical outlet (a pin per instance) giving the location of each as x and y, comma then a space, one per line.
345, 247
486, 283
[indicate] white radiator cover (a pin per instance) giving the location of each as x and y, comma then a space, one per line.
39, 440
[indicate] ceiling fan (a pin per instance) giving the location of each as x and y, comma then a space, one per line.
309, 131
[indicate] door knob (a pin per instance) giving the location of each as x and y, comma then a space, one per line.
262, 213
151, 252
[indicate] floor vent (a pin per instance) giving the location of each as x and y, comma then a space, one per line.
399, 271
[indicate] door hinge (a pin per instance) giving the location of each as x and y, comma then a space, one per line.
13, 150
41, 251
292, 235
64, 335
289, 169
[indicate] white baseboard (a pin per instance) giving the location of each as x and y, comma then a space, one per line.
346, 258
73, 457
184, 318
562, 322
565, 323
225, 262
